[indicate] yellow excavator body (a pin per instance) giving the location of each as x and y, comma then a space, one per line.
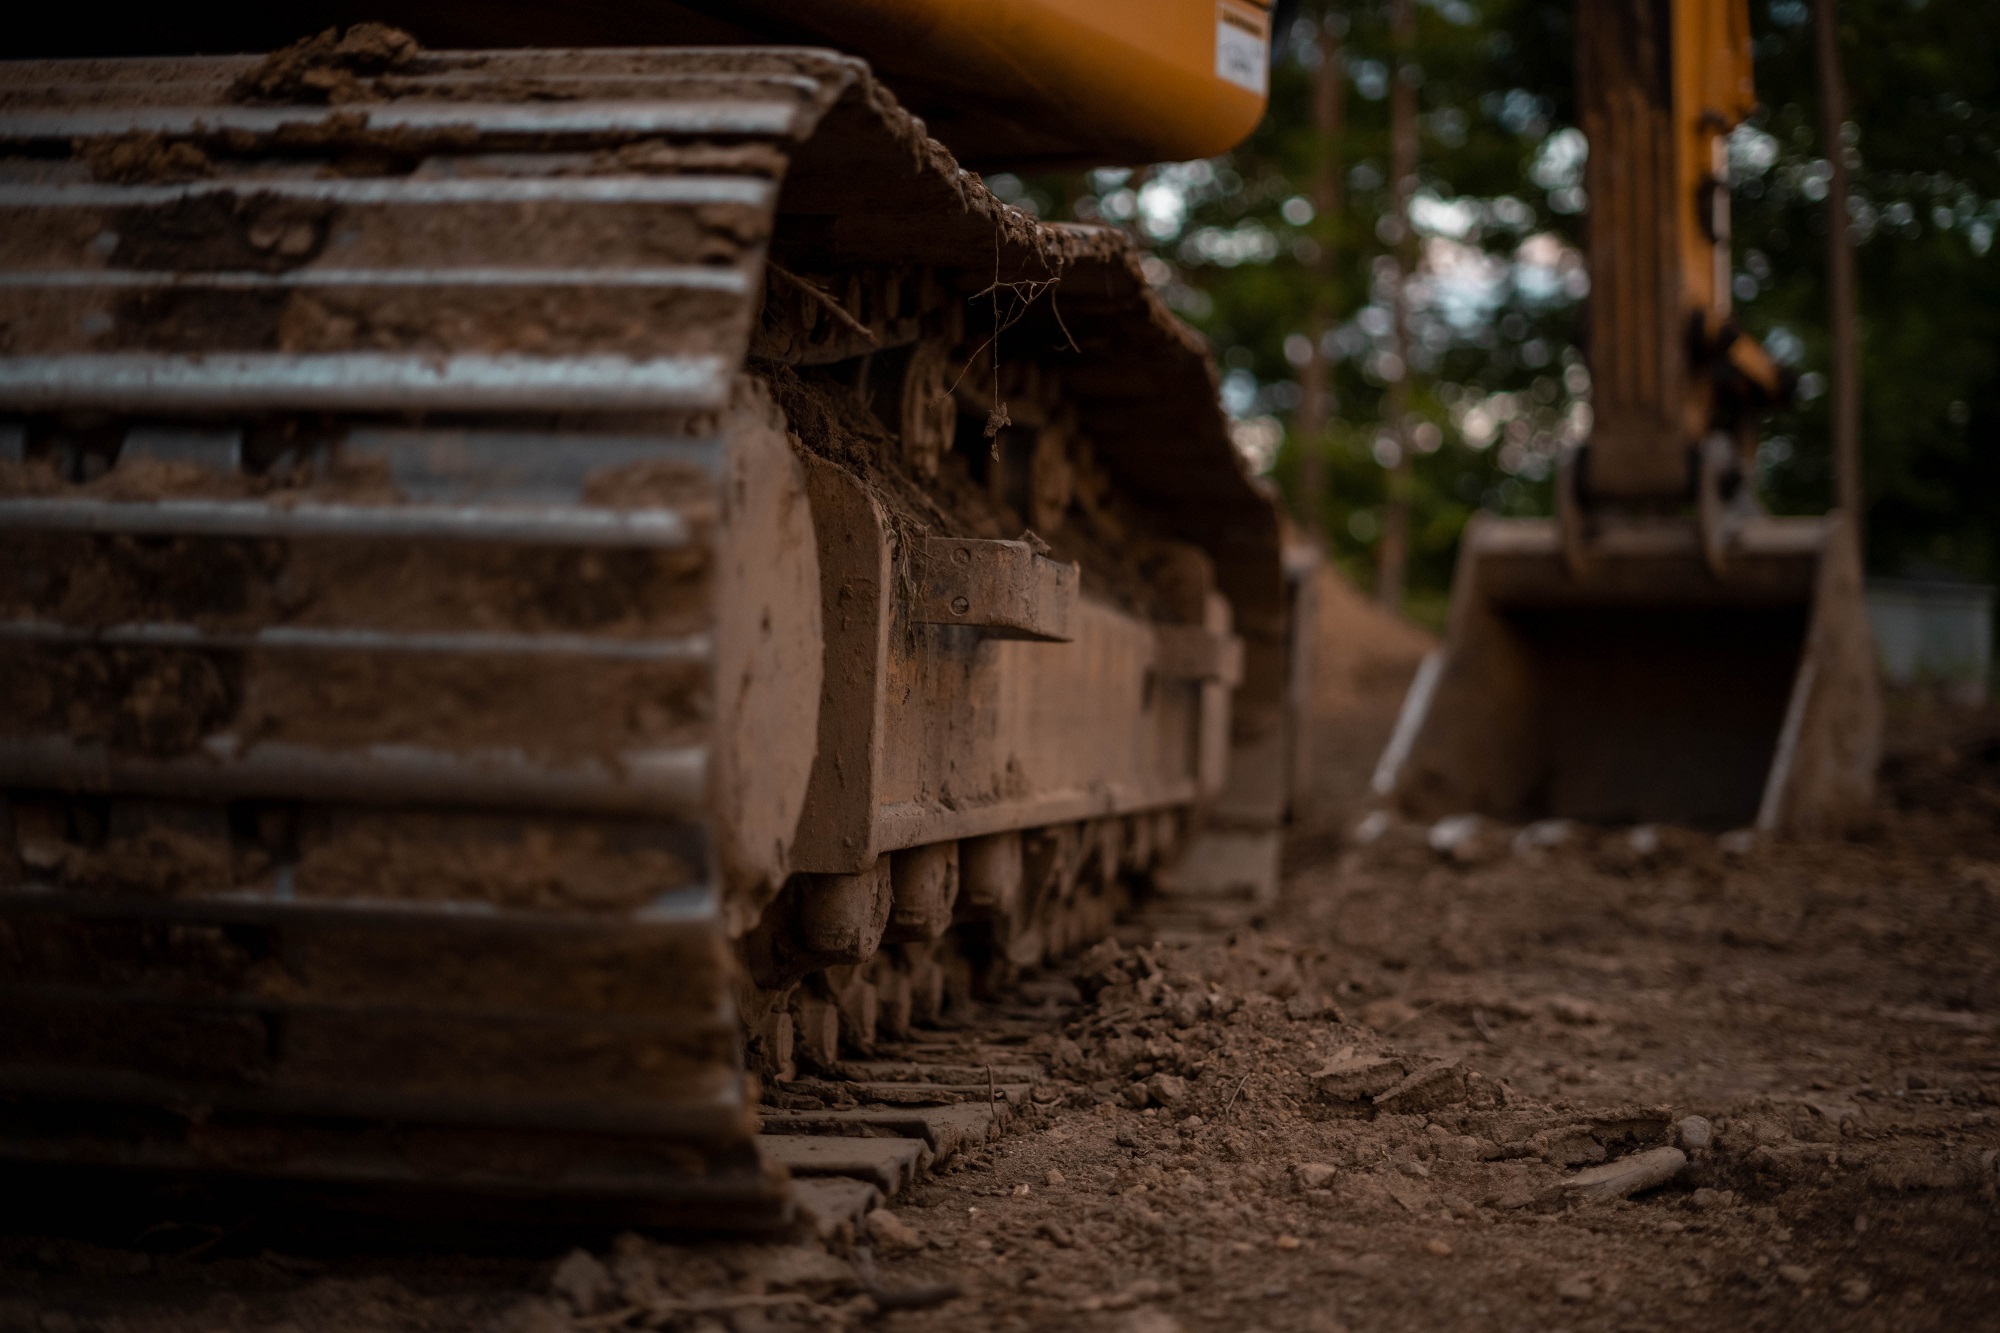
1662, 650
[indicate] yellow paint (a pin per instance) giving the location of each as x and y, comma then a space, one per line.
1140, 74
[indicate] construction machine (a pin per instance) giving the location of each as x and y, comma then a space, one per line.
556, 563
1662, 649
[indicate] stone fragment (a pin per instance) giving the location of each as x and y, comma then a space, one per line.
1167, 1089
1737, 842
1438, 1246
892, 1233
1576, 1288
1289, 1242
1314, 1175
1466, 839
1695, 1133
1055, 1177
1387, 1015
1151, 1321
1626, 1176
1542, 835
1428, 1089
581, 1280
1356, 1078
1356, 1265
1371, 827
1304, 1008
1567, 1145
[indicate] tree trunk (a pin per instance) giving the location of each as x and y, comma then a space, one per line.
1315, 397
1392, 555
1846, 405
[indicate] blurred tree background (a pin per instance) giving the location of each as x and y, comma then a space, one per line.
1290, 254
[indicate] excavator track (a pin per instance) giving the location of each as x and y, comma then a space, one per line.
424, 491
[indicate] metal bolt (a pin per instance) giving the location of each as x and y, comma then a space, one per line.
960, 605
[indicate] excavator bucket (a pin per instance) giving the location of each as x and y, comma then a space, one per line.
1646, 686
1662, 650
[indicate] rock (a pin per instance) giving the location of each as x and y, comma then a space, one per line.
1796, 1274
1138, 1095
1356, 1265
1737, 842
1854, 1290
1576, 1288
1461, 838
1304, 1008
1439, 1246
1356, 1078
1695, 1133
582, 1281
1055, 1177
1314, 1175
1151, 1321
1706, 1198
1567, 1145
1626, 1176
1167, 1089
892, 1233
803, 1268
1428, 1089
1543, 835
1289, 1242
1570, 1009
1387, 1015
1371, 828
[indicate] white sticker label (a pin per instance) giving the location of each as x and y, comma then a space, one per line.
1241, 48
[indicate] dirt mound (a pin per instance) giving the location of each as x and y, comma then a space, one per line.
1362, 650
1363, 658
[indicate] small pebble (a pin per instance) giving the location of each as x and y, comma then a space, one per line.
1289, 1242
891, 1232
1796, 1274
1696, 1132
1576, 1288
1315, 1175
1054, 1177
1438, 1246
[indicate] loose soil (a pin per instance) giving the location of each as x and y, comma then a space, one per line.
1375, 1109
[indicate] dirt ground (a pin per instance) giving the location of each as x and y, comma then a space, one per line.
1411, 1098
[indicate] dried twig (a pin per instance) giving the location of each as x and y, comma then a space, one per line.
826, 300
1231, 1103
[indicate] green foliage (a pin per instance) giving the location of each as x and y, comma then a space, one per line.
1499, 379
1924, 113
